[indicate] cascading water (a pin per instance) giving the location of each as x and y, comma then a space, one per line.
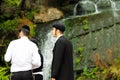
113, 6
87, 5
46, 50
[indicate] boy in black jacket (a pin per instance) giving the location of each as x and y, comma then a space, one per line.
37, 73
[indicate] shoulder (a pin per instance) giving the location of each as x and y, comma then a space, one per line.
14, 41
64, 40
32, 44
61, 39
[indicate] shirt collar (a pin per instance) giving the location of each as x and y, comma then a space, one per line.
24, 37
59, 36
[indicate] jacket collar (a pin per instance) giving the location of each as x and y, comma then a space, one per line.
59, 36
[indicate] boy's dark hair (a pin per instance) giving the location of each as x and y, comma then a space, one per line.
25, 29
41, 56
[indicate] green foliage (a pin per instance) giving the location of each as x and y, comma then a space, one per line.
80, 49
30, 14
4, 73
104, 71
91, 73
100, 73
77, 61
5, 15
81, 78
68, 23
12, 2
85, 24
32, 29
114, 69
9, 25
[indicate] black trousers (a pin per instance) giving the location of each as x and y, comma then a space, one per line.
38, 77
22, 75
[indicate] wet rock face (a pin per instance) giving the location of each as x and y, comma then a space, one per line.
48, 14
58, 3
94, 33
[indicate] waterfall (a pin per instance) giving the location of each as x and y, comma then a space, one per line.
113, 6
96, 8
75, 9
86, 5
46, 50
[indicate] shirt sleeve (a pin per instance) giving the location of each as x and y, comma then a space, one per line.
8, 53
36, 61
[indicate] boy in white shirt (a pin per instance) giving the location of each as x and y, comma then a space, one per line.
23, 55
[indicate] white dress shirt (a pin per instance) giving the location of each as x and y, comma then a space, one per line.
23, 55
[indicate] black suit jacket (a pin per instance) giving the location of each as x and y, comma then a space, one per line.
62, 64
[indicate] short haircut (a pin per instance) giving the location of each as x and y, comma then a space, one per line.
25, 29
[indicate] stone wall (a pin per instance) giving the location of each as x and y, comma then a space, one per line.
95, 37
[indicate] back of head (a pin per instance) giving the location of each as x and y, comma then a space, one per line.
25, 29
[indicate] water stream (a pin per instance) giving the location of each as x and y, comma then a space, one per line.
87, 4
114, 8
86, 7
47, 54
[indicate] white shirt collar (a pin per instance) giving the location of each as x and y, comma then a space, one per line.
24, 37
59, 36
